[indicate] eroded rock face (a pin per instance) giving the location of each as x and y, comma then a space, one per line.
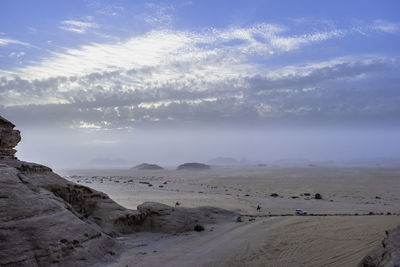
387, 254
46, 220
9, 138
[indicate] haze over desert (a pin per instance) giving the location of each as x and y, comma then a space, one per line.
199, 133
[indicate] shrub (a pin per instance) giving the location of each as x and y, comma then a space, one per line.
318, 196
198, 228
239, 219
274, 195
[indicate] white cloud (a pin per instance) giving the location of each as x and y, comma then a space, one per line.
293, 42
159, 15
76, 26
16, 54
167, 75
212, 53
385, 26
5, 42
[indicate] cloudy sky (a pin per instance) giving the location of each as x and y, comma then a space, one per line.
171, 81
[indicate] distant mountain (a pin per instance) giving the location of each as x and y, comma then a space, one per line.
147, 166
193, 166
225, 161
108, 162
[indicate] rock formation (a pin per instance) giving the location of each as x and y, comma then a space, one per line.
147, 166
193, 166
46, 220
9, 138
387, 254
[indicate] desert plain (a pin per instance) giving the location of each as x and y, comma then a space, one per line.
359, 203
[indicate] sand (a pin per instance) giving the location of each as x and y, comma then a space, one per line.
339, 239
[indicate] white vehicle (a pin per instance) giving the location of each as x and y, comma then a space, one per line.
301, 212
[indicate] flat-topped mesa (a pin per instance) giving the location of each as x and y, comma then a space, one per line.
9, 138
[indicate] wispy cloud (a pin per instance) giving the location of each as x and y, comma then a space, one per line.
16, 54
230, 48
76, 26
5, 42
385, 26
172, 76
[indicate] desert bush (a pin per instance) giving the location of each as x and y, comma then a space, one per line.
318, 196
198, 228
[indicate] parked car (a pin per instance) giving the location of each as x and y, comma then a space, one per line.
301, 212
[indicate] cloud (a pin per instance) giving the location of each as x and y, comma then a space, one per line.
169, 76
385, 26
76, 26
343, 89
158, 15
16, 54
230, 47
5, 42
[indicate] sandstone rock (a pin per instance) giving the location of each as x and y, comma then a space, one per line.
9, 139
387, 254
147, 166
193, 166
46, 220
166, 219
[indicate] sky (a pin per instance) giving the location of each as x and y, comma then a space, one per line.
98, 83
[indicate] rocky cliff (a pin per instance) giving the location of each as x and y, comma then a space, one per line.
46, 220
387, 254
9, 138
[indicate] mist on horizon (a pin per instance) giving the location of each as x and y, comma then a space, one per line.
96, 85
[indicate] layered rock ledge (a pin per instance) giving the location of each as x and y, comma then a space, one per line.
46, 220
387, 254
9, 138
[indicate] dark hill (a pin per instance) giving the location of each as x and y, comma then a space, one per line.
147, 166
193, 166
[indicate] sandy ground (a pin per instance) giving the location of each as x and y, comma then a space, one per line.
334, 240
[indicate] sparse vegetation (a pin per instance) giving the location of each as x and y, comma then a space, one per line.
318, 196
274, 195
198, 228
239, 219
